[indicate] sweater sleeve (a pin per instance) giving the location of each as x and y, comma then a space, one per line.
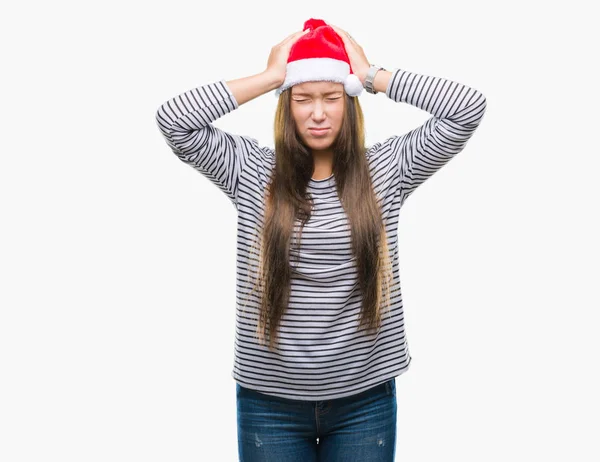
456, 112
185, 123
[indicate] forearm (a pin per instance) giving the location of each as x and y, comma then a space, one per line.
248, 88
458, 108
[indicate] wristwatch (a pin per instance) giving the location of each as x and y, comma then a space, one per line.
371, 76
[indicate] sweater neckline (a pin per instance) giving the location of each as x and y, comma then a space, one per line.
323, 180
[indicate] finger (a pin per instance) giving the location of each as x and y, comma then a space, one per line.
287, 38
294, 35
340, 31
337, 29
345, 36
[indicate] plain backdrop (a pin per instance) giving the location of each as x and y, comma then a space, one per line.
117, 260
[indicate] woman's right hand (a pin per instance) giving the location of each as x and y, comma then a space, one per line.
277, 63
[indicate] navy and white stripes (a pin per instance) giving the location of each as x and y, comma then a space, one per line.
321, 353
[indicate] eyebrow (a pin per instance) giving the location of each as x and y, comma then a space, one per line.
309, 94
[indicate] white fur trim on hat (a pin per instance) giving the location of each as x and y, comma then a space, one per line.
318, 69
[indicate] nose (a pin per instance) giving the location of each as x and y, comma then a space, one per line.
318, 113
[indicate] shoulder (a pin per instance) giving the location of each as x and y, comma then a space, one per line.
382, 152
259, 162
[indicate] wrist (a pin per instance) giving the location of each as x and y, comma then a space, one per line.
362, 74
373, 81
271, 80
381, 81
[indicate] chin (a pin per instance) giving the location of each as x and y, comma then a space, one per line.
320, 144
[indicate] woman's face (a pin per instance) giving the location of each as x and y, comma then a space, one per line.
318, 105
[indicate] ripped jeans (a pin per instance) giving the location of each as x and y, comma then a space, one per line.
361, 427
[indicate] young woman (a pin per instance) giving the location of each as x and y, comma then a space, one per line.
319, 329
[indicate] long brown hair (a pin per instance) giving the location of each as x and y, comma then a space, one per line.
286, 200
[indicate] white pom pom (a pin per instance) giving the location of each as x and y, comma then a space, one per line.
352, 85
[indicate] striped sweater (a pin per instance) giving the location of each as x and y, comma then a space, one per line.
321, 353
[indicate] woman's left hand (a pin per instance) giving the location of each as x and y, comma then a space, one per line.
358, 60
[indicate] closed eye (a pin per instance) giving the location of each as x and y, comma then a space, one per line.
304, 100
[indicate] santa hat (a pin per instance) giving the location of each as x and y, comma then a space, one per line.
320, 55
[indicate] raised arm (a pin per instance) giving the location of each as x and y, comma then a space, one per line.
456, 108
457, 111
185, 123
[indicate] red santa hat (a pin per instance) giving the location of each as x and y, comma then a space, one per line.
320, 55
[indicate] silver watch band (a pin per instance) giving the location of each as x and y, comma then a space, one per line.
371, 77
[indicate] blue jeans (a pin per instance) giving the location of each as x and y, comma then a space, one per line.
361, 427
